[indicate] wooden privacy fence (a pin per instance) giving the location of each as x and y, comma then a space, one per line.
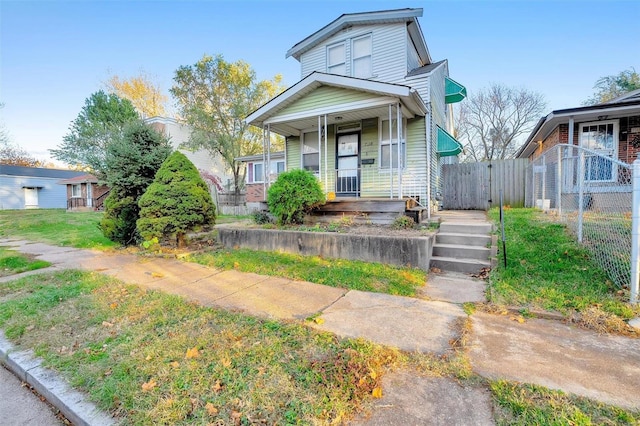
476, 186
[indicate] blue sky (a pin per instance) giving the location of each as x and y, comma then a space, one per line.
54, 54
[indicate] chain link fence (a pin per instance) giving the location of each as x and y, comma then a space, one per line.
593, 194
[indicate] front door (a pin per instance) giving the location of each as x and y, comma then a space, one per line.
31, 198
348, 161
89, 194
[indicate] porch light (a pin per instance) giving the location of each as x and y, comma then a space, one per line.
337, 117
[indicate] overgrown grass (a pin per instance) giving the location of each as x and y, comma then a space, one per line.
12, 262
535, 405
55, 226
546, 268
151, 358
354, 275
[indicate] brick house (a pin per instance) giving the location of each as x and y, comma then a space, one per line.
257, 180
611, 128
85, 193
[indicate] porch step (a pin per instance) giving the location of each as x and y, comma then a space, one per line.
466, 239
466, 228
461, 251
467, 266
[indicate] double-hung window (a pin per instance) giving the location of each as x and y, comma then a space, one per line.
310, 152
76, 191
361, 57
389, 145
337, 59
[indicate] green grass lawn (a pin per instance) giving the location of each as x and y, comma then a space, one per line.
12, 262
55, 226
152, 358
354, 275
548, 269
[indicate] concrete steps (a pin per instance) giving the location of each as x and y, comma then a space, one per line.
463, 246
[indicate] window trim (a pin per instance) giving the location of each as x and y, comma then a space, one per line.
252, 177
344, 59
302, 153
79, 186
386, 141
353, 58
614, 156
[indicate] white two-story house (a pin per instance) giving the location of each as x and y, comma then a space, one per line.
370, 116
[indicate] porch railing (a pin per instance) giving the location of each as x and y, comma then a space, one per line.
373, 182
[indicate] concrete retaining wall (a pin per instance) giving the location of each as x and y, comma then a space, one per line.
402, 251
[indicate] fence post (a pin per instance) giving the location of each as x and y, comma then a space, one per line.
559, 182
580, 194
635, 232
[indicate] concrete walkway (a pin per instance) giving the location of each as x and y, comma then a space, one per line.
548, 353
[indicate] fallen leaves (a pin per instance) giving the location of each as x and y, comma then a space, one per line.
211, 409
192, 353
150, 385
377, 392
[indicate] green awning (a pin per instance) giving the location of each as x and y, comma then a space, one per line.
447, 144
453, 91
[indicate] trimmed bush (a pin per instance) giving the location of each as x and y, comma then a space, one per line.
178, 201
294, 193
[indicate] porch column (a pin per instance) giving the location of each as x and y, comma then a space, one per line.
268, 164
264, 161
427, 126
325, 131
390, 154
320, 147
399, 125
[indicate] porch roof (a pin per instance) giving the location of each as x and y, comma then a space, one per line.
382, 94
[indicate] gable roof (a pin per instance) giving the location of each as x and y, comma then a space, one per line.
623, 106
38, 172
409, 96
346, 20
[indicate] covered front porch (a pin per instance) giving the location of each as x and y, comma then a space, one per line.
362, 139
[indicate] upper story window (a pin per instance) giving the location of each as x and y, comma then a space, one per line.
389, 146
76, 191
256, 171
361, 57
337, 59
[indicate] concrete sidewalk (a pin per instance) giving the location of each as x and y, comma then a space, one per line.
547, 353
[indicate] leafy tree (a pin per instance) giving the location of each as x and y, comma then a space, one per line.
293, 194
612, 86
100, 121
492, 120
178, 201
145, 95
131, 162
214, 97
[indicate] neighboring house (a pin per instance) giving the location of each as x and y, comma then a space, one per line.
179, 133
84, 193
256, 180
33, 187
610, 130
371, 117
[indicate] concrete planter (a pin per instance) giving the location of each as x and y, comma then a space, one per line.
393, 250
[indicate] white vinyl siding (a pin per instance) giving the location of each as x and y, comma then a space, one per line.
413, 60
388, 51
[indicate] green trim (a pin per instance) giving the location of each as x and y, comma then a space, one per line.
453, 91
447, 144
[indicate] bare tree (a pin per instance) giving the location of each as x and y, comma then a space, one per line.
491, 121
